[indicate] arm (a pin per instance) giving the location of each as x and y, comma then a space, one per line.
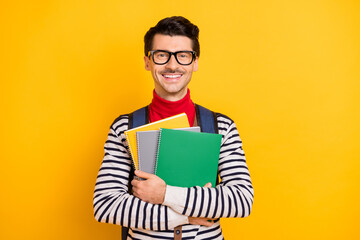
152, 189
233, 197
112, 202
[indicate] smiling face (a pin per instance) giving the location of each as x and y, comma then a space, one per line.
171, 79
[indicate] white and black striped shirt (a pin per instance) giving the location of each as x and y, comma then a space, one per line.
233, 197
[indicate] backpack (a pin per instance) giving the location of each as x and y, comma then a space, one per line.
206, 119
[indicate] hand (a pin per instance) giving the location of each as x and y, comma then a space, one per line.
208, 222
208, 185
151, 190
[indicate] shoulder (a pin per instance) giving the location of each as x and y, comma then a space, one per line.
221, 119
224, 123
120, 124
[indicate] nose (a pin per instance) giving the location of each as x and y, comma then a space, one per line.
172, 63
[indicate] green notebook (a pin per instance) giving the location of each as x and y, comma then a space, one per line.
187, 159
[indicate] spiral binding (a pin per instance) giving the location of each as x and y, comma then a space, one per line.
131, 155
157, 152
138, 149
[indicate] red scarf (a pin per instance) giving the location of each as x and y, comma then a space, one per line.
161, 108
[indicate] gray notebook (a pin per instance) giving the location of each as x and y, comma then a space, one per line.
147, 144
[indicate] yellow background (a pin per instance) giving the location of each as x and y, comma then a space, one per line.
287, 72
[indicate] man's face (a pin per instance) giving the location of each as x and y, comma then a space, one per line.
171, 79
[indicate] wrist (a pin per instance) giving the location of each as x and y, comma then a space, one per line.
163, 194
175, 197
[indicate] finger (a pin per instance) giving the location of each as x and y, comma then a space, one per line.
208, 219
135, 194
206, 223
201, 221
208, 185
134, 190
142, 174
134, 182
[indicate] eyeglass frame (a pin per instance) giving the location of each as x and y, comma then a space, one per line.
151, 53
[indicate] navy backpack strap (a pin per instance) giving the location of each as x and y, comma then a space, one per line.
139, 117
136, 119
206, 119
124, 232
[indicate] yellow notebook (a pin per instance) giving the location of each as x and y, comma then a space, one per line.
177, 121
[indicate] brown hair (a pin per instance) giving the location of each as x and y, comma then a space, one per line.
173, 26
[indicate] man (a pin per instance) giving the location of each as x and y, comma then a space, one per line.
155, 210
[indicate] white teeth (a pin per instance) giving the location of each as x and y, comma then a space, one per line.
172, 76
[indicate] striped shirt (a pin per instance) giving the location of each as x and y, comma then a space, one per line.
233, 197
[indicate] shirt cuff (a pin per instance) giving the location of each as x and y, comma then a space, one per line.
175, 198
176, 219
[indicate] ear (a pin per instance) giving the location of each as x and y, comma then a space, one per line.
147, 63
196, 64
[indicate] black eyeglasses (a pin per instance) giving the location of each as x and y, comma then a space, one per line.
161, 57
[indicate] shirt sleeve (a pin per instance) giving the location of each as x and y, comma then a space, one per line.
113, 204
233, 197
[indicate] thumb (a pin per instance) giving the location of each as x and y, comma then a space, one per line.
208, 185
142, 174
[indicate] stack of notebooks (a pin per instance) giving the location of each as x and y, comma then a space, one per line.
180, 155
